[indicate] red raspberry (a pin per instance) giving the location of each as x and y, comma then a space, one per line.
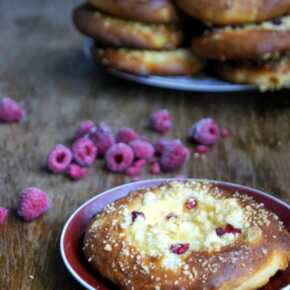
84, 151
155, 168
59, 158
191, 203
179, 249
160, 145
10, 111
33, 203
85, 128
126, 135
173, 157
225, 133
228, 229
135, 169
3, 214
161, 121
136, 214
205, 131
76, 172
142, 149
103, 138
119, 157
201, 149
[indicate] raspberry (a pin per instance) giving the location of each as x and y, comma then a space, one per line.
179, 249
136, 168
85, 128
84, 151
59, 158
191, 203
160, 145
201, 149
228, 229
225, 133
136, 214
126, 135
205, 131
155, 168
119, 157
161, 121
33, 203
142, 149
103, 138
173, 157
76, 172
3, 214
10, 111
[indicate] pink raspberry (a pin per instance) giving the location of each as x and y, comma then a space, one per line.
10, 111
76, 172
84, 151
103, 138
119, 157
59, 158
160, 145
126, 135
173, 157
33, 203
225, 133
201, 149
3, 214
84, 129
142, 149
179, 249
191, 203
155, 168
136, 168
161, 121
205, 131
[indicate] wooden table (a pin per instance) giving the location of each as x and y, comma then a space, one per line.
42, 66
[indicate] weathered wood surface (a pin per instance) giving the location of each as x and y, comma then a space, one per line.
43, 67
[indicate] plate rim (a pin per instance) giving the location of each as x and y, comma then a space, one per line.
75, 212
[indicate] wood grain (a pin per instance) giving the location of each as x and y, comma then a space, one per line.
43, 67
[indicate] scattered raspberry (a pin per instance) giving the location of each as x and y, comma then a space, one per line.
161, 121
103, 138
201, 149
191, 203
126, 135
155, 168
119, 157
135, 169
59, 158
225, 133
173, 157
136, 214
205, 131
84, 151
3, 214
228, 229
142, 149
179, 249
140, 162
85, 128
10, 111
33, 203
76, 172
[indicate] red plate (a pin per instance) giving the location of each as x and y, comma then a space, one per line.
72, 234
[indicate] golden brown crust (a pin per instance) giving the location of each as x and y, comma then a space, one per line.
225, 12
115, 32
146, 62
243, 265
248, 42
151, 11
274, 75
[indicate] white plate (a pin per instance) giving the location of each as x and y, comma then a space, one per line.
199, 83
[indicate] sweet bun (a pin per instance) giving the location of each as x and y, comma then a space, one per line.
226, 12
268, 75
149, 62
245, 42
152, 11
116, 32
187, 235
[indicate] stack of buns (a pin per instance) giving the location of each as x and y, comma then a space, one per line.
140, 37
246, 41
